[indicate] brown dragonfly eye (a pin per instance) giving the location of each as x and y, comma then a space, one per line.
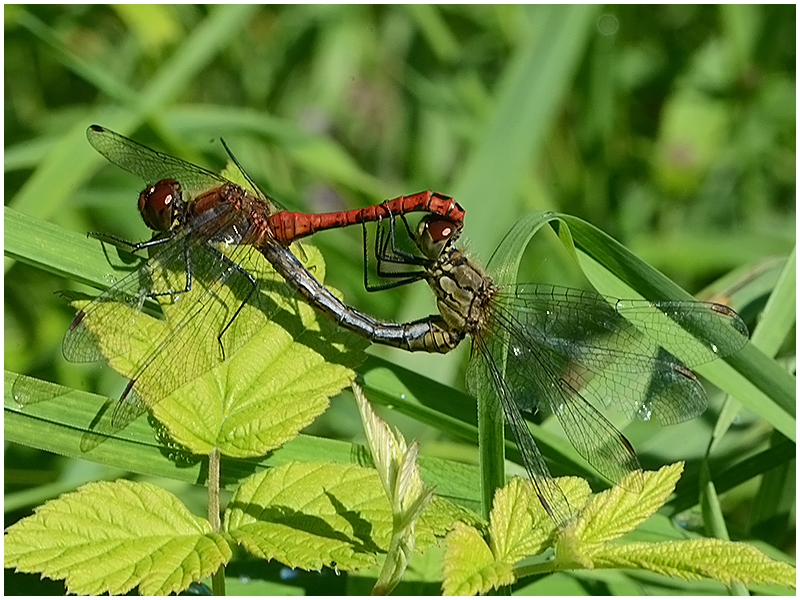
157, 204
440, 230
434, 233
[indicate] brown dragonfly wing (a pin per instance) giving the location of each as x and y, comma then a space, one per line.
623, 353
199, 290
149, 164
485, 379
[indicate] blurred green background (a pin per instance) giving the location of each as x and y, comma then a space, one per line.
672, 128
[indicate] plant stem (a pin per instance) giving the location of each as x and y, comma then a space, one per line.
491, 448
213, 490
218, 578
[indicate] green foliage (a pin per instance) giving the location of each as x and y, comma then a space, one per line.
109, 537
396, 464
313, 514
520, 528
114, 536
671, 128
273, 385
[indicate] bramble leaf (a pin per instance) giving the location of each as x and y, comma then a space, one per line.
722, 560
617, 511
109, 537
518, 527
308, 515
283, 360
469, 566
396, 464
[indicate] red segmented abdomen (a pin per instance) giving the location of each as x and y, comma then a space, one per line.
290, 226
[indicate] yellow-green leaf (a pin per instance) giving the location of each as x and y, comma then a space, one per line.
724, 561
308, 515
283, 360
617, 511
109, 537
519, 527
469, 565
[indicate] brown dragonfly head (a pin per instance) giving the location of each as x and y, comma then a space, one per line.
435, 234
160, 204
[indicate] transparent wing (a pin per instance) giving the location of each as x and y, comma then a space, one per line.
485, 380
571, 351
198, 290
150, 165
623, 352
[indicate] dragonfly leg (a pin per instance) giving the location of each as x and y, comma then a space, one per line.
187, 270
380, 249
133, 246
233, 265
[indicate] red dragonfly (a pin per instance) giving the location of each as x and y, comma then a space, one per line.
195, 214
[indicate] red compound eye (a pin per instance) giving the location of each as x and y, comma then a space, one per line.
440, 230
157, 204
434, 234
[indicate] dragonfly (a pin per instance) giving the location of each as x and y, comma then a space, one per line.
544, 347
204, 226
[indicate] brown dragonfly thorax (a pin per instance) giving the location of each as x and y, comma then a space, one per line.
463, 289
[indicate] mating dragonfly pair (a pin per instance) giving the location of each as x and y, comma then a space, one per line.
567, 350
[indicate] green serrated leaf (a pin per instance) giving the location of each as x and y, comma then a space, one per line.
617, 511
474, 566
387, 449
109, 537
395, 462
308, 515
283, 362
724, 561
469, 566
613, 513
518, 527
396, 465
